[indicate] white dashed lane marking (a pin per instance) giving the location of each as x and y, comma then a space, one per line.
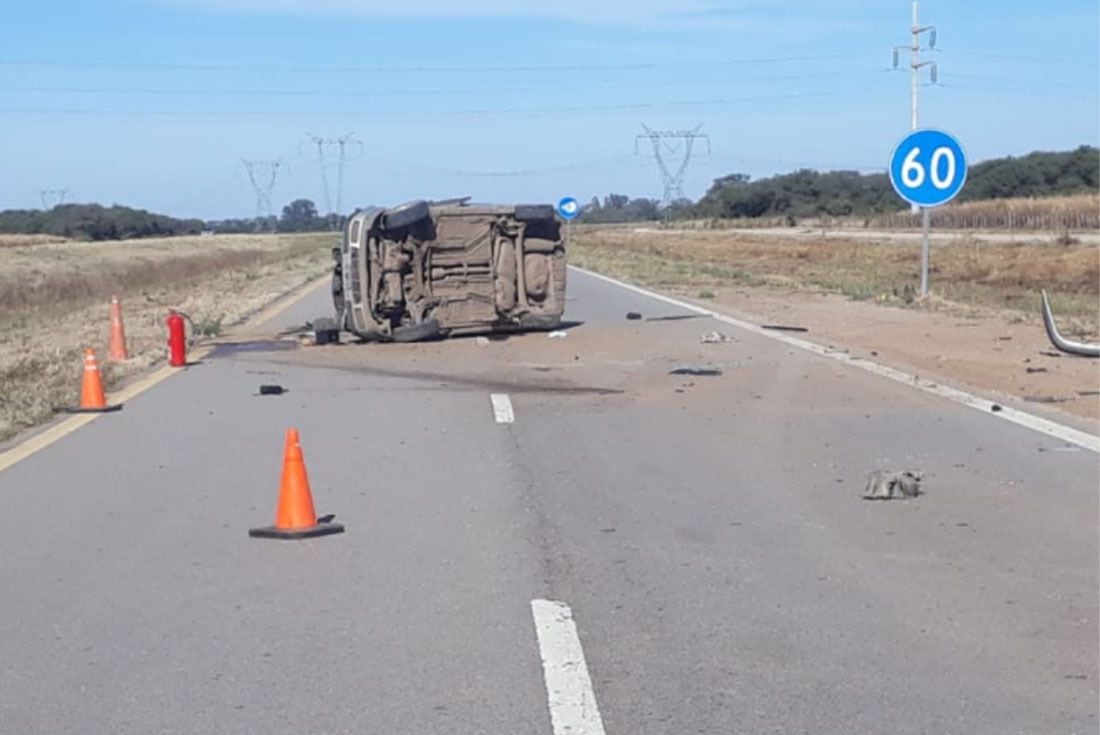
572, 702
502, 408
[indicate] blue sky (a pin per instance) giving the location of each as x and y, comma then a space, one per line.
153, 103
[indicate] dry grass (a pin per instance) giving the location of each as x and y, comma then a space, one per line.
1004, 277
54, 302
12, 241
1078, 213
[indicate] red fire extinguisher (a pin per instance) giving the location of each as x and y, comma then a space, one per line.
177, 339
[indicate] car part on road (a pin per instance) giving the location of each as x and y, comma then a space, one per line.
1068, 346
885, 485
1046, 399
783, 328
702, 372
294, 515
674, 318
272, 390
423, 271
633, 316
714, 338
325, 331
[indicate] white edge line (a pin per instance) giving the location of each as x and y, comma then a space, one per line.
502, 408
1012, 415
572, 703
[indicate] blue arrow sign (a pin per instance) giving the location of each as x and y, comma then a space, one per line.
569, 208
928, 168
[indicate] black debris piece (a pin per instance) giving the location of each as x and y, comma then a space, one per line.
272, 390
784, 328
674, 317
1036, 370
996, 408
702, 372
633, 316
1045, 399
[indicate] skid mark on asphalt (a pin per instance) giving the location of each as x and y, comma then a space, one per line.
502, 408
573, 709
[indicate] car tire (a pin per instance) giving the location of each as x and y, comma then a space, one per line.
427, 329
539, 322
405, 215
534, 212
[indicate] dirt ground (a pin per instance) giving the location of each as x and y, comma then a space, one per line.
980, 329
988, 351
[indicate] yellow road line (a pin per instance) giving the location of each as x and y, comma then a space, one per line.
61, 430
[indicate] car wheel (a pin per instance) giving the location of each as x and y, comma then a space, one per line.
534, 212
540, 322
405, 215
427, 329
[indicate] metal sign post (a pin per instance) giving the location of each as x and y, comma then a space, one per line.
568, 209
928, 169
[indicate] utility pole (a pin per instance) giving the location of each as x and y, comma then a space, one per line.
320, 143
915, 65
262, 175
56, 196
343, 143
673, 181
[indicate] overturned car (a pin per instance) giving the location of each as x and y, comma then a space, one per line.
420, 271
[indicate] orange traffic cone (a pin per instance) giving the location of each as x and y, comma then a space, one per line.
116, 351
295, 517
92, 397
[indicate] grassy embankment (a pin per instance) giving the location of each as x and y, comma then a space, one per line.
54, 301
1005, 277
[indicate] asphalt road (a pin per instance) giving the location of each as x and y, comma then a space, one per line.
707, 532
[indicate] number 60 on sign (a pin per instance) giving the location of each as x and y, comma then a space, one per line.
928, 168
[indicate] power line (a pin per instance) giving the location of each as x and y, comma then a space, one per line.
345, 92
859, 92
431, 69
1029, 59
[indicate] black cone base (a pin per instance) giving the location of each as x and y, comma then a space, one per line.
321, 529
81, 409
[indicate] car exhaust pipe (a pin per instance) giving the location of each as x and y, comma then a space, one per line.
1069, 347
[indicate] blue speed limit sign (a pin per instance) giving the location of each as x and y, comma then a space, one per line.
928, 168
569, 208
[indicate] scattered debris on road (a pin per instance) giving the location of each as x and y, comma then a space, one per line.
633, 316
996, 408
557, 335
886, 485
675, 317
272, 390
1046, 399
713, 338
1036, 370
696, 370
783, 328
